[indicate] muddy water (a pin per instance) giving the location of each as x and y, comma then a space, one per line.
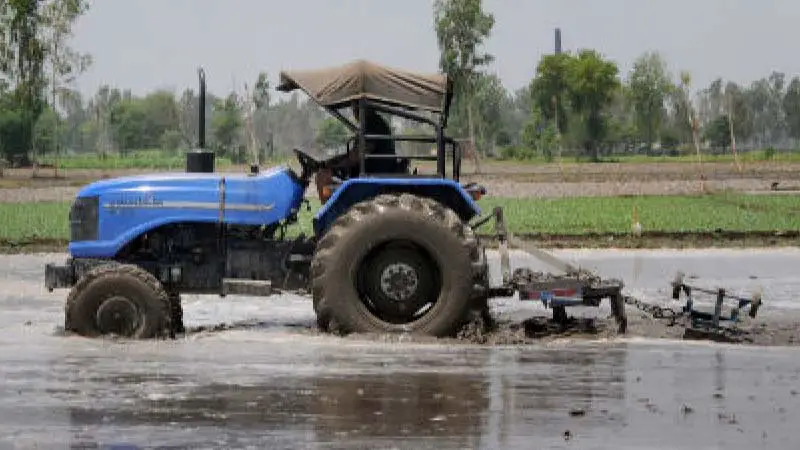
271, 381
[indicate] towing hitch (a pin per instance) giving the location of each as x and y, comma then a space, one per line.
576, 287
579, 287
705, 323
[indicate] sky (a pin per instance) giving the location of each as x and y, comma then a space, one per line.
159, 44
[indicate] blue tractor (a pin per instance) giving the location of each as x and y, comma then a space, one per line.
391, 250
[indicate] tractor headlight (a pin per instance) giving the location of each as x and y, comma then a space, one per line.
83, 219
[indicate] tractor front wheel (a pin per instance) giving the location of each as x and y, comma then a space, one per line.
121, 300
396, 263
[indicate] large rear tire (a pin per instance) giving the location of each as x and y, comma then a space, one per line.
121, 300
397, 263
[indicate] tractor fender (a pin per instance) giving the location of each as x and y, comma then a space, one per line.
352, 191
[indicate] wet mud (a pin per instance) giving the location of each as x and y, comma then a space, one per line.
255, 373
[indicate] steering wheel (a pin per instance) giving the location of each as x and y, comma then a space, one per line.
310, 164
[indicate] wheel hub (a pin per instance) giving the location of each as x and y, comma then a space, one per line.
117, 315
399, 281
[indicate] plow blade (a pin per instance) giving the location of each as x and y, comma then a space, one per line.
561, 292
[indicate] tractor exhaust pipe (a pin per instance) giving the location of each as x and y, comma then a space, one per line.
201, 126
201, 160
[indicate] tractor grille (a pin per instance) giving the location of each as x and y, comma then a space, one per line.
83, 219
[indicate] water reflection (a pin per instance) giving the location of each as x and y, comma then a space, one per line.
496, 399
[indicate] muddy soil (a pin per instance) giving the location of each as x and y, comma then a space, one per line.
502, 179
267, 379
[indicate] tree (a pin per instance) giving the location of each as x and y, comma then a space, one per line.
332, 133
64, 62
260, 120
461, 26
261, 95
711, 102
550, 87
489, 98
226, 123
718, 133
539, 135
791, 107
737, 109
649, 86
593, 82
33, 35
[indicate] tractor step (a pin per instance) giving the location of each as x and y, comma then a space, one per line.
239, 286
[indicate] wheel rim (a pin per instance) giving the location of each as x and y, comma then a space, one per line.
117, 315
398, 282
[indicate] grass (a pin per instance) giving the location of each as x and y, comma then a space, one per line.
27, 222
581, 215
138, 159
34, 221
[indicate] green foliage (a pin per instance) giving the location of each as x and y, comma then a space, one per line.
791, 105
261, 94
539, 136
576, 90
226, 123
461, 27
737, 106
12, 128
649, 85
143, 122
593, 82
332, 133
670, 140
488, 101
718, 132
33, 35
550, 86
46, 132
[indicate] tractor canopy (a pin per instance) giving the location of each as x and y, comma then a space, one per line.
337, 87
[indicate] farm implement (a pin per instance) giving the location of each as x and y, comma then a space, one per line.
392, 250
713, 324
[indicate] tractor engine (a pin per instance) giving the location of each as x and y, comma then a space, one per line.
196, 257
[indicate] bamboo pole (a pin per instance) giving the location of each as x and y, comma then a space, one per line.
733, 136
695, 124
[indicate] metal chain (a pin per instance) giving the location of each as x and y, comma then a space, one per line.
524, 275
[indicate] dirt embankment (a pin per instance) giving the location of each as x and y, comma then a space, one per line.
502, 179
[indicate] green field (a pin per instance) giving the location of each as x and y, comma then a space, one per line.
26, 222
158, 159
139, 159
582, 215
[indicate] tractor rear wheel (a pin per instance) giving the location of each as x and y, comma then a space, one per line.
118, 299
397, 263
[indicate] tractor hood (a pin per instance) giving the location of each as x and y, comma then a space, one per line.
110, 213
155, 182
151, 184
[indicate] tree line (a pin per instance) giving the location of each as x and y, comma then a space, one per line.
577, 102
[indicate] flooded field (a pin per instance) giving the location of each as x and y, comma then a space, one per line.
269, 380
